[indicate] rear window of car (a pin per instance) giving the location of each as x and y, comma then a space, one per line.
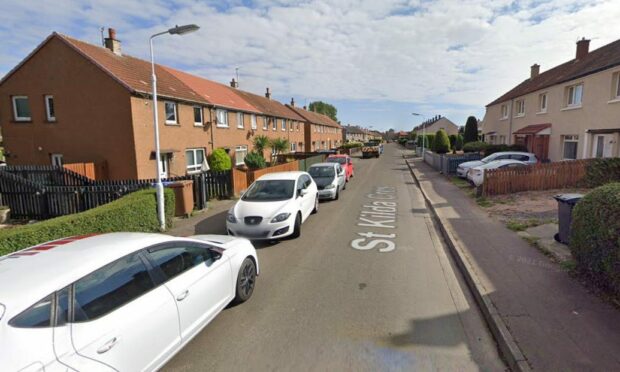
36, 316
337, 160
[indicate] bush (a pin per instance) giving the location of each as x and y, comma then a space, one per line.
350, 145
452, 138
402, 141
475, 146
459, 142
602, 171
134, 212
255, 160
219, 161
490, 149
595, 236
471, 130
441, 142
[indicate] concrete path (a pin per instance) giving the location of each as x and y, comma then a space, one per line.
556, 322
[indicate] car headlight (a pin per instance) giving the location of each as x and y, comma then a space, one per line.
231, 218
331, 186
281, 217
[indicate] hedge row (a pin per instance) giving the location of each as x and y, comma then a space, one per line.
602, 171
488, 149
134, 212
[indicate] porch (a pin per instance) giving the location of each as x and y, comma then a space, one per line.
536, 139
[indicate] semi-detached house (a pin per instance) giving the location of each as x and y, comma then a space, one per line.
571, 111
69, 101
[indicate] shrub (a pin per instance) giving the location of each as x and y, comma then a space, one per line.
475, 146
459, 142
254, 160
134, 212
260, 143
441, 142
452, 138
350, 145
602, 171
471, 130
219, 161
595, 236
402, 141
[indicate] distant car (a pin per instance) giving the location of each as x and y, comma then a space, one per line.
274, 207
329, 179
346, 162
476, 174
526, 157
116, 302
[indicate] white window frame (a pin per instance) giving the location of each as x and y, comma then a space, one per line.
283, 124
520, 111
253, 121
504, 111
242, 148
57, 159
571, 95
542, 109
570, 139
265, 123
297, 126
48, 107
293, 147
616, 95
176, 114
274, 124
292, 124
224, 114
240, 120
196, 167
21, 118
201, 122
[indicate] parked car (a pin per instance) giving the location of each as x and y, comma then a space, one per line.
476, 174
119, 301
274, 207
330, 179
346, 162
526, 157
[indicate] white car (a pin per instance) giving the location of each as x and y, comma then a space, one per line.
274, 207
526, 157
476, 174
329, 178
116, 302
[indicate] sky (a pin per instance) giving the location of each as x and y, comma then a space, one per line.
376, 61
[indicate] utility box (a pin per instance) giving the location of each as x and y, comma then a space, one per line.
184, 197
566, 203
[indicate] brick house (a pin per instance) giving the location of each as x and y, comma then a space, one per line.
436, 123
321, 131
355, 134
571, 111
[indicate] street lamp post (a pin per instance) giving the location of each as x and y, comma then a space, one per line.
423, 130
159, 187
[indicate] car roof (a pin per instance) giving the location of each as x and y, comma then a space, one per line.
512, 153
316, 165
281, 176
338, 156
29, 275
500, 163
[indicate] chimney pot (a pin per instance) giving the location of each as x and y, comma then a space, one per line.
305, 107
583, 48
112, 43
534, 70
112, 33
268, 93
293, 102
234, 83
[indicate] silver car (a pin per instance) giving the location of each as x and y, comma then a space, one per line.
329, 179
526, 157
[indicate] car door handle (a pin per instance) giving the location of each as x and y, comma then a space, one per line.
107, 346
182, 296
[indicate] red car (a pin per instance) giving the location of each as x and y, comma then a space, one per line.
345, 162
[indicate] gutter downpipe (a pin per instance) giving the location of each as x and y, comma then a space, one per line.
512, 101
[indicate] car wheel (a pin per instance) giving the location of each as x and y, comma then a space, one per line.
316, 205
245, 281
337, 193
297, 227
344, 186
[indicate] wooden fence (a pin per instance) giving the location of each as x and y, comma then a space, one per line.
85, 169
242, 179
536, 177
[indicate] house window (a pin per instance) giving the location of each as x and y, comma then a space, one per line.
21, 108
253, 121
198, 116
171, 112
520, 108
574, 93
504, 111
50, 113
542, 102
293, 147
297, 126
570, 147
194, 158
240, 153
313, 145
502, 140
240, 120
274, 126
283, 123
292, 124
616, 82
265, 124
222, 118
57, 160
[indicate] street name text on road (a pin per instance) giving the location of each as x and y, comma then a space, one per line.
378, 212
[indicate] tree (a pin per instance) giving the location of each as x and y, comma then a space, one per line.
324, 108
452, 138
442, 142
412, 135
471, 130
261, 143
278, 146
219, 160
459, 143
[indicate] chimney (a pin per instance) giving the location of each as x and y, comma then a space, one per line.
534, 70
112, 43
234, 83
293, 102
268, 93
583, 47
305, 107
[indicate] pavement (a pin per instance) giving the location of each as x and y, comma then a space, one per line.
369, 286
543, 237
554, 321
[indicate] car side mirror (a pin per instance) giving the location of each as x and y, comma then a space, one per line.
216, 253
303, 192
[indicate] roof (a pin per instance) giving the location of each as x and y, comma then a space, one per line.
266, 105
533, 129
497, 163
597, 60
281, 176
434, 120
353, 129
31, 274
315, 117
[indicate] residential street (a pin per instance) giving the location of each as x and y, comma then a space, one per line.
322, 304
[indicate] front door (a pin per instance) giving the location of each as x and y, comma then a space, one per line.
165, 163
603, 146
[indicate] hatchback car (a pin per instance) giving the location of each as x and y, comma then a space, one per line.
119, 301
526, 157
274, 207
476, 174
346, 162
329, 179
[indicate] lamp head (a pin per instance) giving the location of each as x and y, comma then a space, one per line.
182, 30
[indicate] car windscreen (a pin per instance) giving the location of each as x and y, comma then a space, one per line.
320, 172
270, 190
337, 160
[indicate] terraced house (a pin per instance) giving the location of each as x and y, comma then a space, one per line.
571, 111
322, 132
70, 102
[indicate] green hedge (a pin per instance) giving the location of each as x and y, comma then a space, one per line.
441, 143
477, 146
134, 212
602, 171
595, 236
490, 149
350, 145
